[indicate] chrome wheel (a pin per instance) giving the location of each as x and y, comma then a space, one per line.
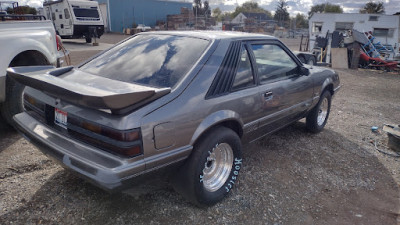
322, 112
217, 167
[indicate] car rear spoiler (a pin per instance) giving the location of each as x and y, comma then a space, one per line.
85, 89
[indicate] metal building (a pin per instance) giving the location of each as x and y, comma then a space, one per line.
125, 13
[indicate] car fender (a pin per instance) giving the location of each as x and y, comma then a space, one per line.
328, 81
15, 43
22, 44
214, 119
4, 64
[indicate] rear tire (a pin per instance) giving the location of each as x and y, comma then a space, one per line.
14, 103
212, 169
318, 116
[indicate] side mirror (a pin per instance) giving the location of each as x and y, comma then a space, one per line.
304, 71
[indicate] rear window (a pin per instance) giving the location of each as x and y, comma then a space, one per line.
155, 60
91, 13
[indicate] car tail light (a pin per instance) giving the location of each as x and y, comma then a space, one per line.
125, 136
124, 142
31, 103
127, 142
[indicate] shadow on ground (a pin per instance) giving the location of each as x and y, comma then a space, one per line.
7, 135
291, 177
76, 42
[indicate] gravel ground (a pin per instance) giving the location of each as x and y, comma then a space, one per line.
291, 177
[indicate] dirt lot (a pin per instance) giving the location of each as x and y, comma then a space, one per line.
291, 177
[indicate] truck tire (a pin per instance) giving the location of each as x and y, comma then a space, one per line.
311, 61
88, 39
318, 116
212, 169
302, 59
14, 102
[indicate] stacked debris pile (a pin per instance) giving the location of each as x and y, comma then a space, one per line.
371, 54
354, 49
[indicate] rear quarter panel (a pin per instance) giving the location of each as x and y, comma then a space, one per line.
189, 115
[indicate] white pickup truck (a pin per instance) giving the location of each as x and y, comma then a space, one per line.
23, 43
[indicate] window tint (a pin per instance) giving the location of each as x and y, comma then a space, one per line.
343, 26
272, 62
66, 12
383, 32
156, 60
244, 74
92, 13
373, 18
317, 27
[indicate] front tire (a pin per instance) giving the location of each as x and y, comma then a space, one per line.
318, 116
212, 169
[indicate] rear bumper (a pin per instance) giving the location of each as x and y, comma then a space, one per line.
107, 171
94, 30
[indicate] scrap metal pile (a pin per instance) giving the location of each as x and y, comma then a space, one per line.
373, 54
363, 51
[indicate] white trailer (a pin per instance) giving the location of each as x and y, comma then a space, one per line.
75, 18
385, 28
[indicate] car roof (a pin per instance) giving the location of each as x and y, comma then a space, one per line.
214, 35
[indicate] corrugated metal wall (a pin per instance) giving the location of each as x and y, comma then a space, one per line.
125, 13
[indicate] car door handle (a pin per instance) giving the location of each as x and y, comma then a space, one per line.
268, 95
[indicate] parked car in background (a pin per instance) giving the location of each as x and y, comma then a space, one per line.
23, 43
162, 100
143, 27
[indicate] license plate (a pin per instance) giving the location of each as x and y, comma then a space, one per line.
60, 118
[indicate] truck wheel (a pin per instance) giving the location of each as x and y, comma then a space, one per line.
14, 102
302, 59
212, 169
311, 61
318, 116
88, 40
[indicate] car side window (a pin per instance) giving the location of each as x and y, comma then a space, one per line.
244, 74
272, 62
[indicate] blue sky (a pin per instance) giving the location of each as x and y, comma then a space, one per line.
295, 6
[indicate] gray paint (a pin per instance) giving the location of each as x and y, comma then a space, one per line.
88, 90
171, 124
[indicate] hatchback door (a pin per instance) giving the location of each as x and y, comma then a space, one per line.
286, 93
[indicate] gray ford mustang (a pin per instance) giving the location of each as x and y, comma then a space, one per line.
177, 101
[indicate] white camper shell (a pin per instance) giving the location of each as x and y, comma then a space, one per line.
75, 18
